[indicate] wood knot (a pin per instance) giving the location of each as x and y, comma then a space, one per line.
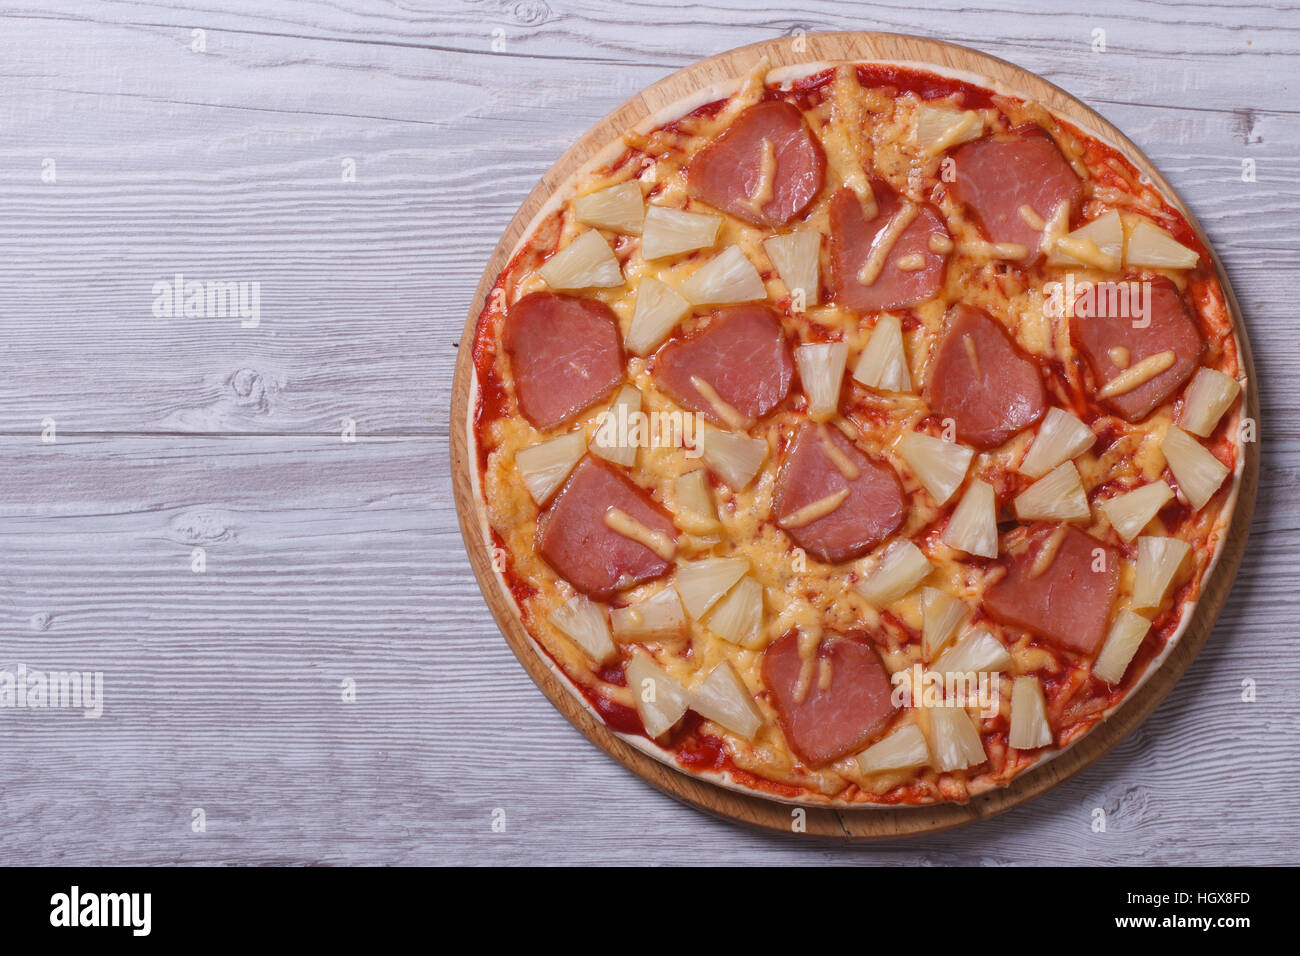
531, 12
249, 388
200, 527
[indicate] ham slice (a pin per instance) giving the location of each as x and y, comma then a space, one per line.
741, 355
872, 509
564, 353
766, 168
1109, 332
822, 724
999, 174
573, 538
982, 382
1052, 589
897, 284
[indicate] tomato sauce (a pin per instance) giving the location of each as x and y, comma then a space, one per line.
618, 717
928, 86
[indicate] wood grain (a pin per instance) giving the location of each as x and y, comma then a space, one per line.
222, 689
856, 823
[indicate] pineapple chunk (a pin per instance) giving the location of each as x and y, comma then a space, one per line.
1208, 397
732, 457
939, 465
938, 128
1099, 243
727, 277
658, 617
901, 567
1158, 562
1029, 727
1058, 496
904, 748
544, 466
724, 699
979, 652
1149, 245
1122, 642
1132, 511
670, 232
821, 369
702, 584
973, 527
941, 615
617, 208
612, 440
796, 256
660, 700
954, 740
658, 310
883, 363
1060, 438
738, 617
586, 263
1198, 473
697, 514
583, 622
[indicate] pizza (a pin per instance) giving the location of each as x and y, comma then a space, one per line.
862, 436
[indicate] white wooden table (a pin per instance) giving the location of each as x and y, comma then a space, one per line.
216, 143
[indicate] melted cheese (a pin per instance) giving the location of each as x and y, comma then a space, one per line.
825, 673
1086, 251
981, 249
724, 411
842, 462
766, 187
972, 355
847, 150
1031, 218
1137, 375
807, 643
621, 522
865, 133
1056, 227
816, 510
1047, 553
884, 242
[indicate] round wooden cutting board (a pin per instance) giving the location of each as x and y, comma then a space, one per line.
844, 824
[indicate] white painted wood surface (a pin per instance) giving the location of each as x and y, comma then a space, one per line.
329, 560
